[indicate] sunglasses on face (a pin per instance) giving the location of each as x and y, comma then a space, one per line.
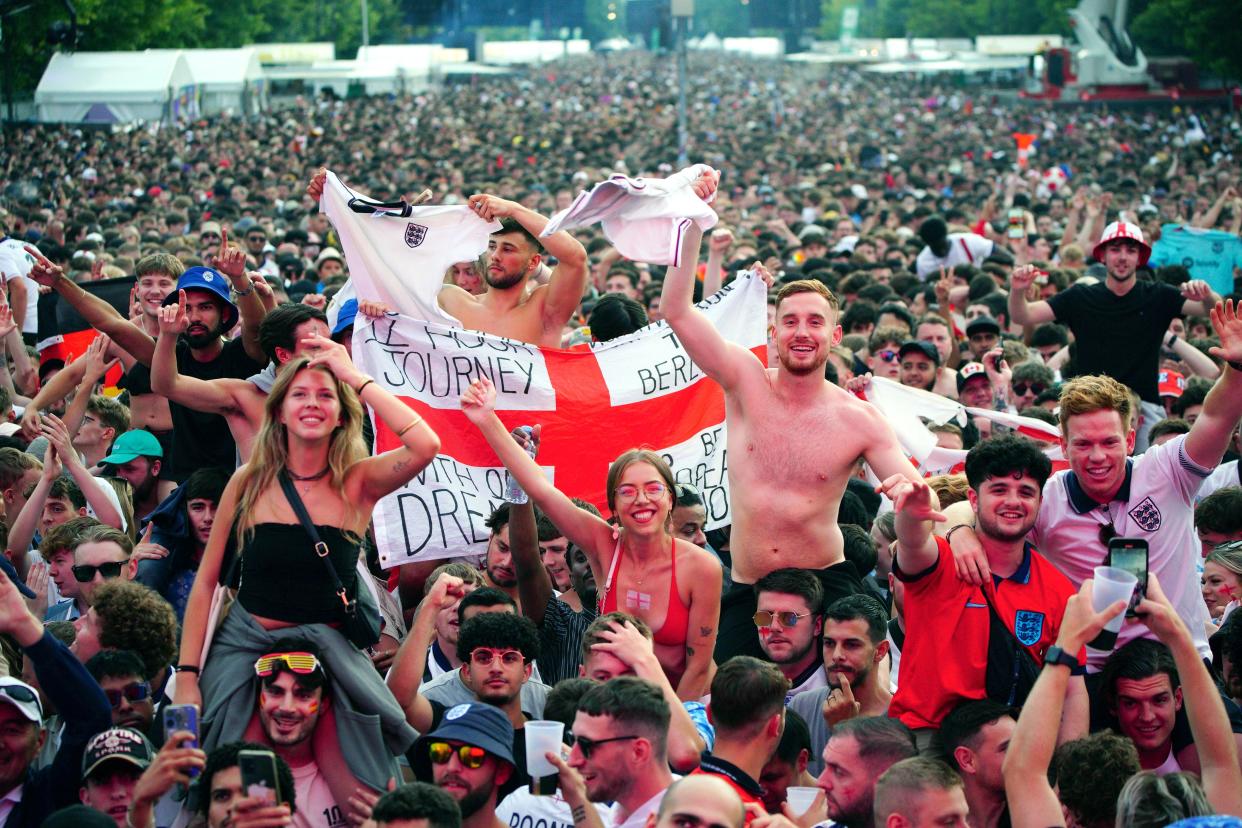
136, 692
300, 663
85, 573
627, 492
485, 657
589, 746
764, 618
886, 355
470, 756
1036, 388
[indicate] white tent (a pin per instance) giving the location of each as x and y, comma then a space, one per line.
229, 80
111, 87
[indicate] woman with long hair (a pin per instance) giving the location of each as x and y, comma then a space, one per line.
640, 567
311, 432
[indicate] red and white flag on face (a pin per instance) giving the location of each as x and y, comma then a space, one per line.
593, 404
907, 408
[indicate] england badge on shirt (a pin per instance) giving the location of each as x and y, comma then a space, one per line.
414, 234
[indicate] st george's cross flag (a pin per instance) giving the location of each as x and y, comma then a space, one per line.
593, 402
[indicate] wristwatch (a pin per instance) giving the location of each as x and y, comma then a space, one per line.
1056, 655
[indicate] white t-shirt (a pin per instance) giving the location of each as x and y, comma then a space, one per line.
1155, 503
522, 809
964, 248
1225, 475
316, 807
15, 262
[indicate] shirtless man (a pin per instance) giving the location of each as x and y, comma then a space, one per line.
794, 438
508, 309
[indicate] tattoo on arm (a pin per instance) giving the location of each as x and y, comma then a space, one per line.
400, 466
705, 632
690, 652
579, 812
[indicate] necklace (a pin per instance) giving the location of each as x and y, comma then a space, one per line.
302, 478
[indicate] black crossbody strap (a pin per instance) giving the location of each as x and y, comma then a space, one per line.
366, 205
321, 548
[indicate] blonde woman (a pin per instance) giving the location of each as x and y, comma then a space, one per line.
312, 430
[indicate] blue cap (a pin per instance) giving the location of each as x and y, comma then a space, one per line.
476, 724
212, 281
345, 317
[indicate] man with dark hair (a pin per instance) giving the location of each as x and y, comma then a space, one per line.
416, 805
922, 793
620, 748
919, 363
974, 737
859, 751
616, 315
788, 604
128, 616
788, 765
498, 568
944, 250
854, 650
1006, 477
120, 674
1144, 696
283, 335
748, 712
1089, 774
222, 799
1218, 518
1048, 339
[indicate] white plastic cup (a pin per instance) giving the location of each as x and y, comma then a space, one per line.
542, 737
1111, 585
800, 798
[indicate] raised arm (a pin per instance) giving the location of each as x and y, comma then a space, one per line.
718, 244
373, 477
1199, 363
915, 505
209, 396
23, 526
198, 607
406, 675
231, 261
98, 313
18, 294
589, 532
95, 366
1032, 802
533, 582
1209, 436
565, 288
92, 487
719, 358
1027, 314
1209, 723
1199, 298
57, 389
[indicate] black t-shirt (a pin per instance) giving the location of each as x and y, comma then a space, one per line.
200, 440
1119, 335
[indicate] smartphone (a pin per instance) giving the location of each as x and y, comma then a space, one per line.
182, 717
1017, 223
258, 775
1130, 554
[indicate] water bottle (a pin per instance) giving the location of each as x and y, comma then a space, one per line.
513, 491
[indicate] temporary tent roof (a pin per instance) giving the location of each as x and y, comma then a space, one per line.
228, 79
116, 86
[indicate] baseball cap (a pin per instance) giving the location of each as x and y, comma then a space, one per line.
476, 724
117, 744
921, 346
968, 372
134, 444
982, 324
21, 695
1171, 384
345, 317
212, 281
210, 227
329, 253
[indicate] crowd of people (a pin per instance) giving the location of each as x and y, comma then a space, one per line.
865, 644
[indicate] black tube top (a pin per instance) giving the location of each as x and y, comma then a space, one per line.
282, 577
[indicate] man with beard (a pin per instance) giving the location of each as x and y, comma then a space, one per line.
497, 651
855, 647
1118, 325
137, 458
620, 748
794, 441
1027, 594
287, 332
203, 352
293, 699
857, 755
788, 603
469, 757
514, 255
498, 568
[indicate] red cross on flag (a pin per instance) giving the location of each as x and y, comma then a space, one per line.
593, 403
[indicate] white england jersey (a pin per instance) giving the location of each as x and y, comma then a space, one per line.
16, 263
